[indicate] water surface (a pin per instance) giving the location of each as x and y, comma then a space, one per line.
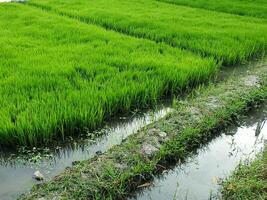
16, 170
198, 178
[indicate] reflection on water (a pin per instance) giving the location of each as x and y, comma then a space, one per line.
198, 177
16, 173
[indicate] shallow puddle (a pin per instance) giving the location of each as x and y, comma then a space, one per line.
16, 171
198, 178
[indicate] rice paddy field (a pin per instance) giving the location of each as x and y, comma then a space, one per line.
255, 8
70, 65
70, 68
228, 38
58, 74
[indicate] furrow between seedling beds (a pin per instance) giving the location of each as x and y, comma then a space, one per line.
256, 8
228, 38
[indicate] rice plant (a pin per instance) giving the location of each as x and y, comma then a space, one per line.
228, 38
255, 8
58, 74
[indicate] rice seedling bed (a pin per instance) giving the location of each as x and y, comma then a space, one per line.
58, 75
229, 38
255, 8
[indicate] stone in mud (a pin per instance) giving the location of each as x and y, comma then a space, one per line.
252, 81
120, 166
161, 140
54, 198
194, 111
162, 134
75, 162
84, 176
213, 102
98, 153
38, 176
148, 150
153, 131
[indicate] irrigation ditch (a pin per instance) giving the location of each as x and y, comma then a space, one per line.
17, 167
202, 173
155, 148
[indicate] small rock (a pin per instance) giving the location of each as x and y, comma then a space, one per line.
120, 166
84, 176
153, 131
148, 149
213, 102
75, 162
98, 153
194, 113
162, 134
252, 81
38, 176
161, 140
194, 110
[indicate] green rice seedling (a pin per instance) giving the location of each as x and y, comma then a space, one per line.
58, 75
255, 8
229, 38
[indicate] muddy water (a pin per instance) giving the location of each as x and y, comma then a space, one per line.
16, 170
226, 72
198, 178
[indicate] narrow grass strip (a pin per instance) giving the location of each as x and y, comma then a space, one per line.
248, 181
228, 38
123, 168
255, 8
58, 75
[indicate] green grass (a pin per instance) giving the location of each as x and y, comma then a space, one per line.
255, 8
229, 38
58, 74
248, 181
